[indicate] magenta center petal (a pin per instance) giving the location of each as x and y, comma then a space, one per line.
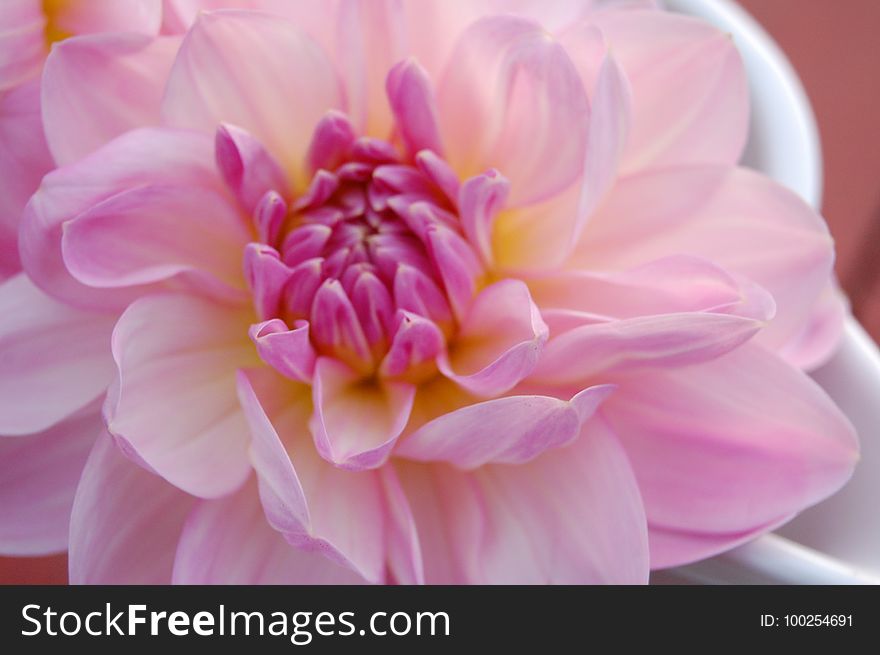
355, 257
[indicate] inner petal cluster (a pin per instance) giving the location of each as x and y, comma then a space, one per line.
364, 260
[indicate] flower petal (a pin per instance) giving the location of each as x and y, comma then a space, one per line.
22, 41
177, 356
38, 477
511, 99
228, 541
150, 156
143, 16
315, 505
499, 343
231, 58
53, 359
152, 233
290, 352
511, 430
127, 536
356, 422
249, 170
736, 218
571, 516
706, 119
412, 101
662, 341
727, 448
96, 87
24, 159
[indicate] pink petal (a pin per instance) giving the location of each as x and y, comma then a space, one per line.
335, 325
22, 41
152, 233
316, 506
572, 516
417, 293
820, 337
38, 477
177, 356
97, 87
143, 16
127, 536
676, 283
270, 214
458, 266
141, 157
541, 236
24, 159
370, 39
356, 423
736, 218
511, 430
266, 276
511, 99
417, 341
706, 119
228, 541
289, 352
727, 448
412, 101
229, 59
499, 342
661, 341
55, 359
331, 143
609, 134
404, 552
481, 198
249, 169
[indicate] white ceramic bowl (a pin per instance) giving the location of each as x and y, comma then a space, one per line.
837, 541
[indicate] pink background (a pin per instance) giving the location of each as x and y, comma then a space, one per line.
834, 48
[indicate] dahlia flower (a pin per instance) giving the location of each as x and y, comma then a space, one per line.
444, 292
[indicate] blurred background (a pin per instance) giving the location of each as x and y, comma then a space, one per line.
834, 47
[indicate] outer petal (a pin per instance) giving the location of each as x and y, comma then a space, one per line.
228, 541
38, 477
229, 59
541, 236
53, 359
511, 430
138, 158
176, 404
706, 119
125, 522
668, 340
677, 283
97, 87
24, 159
356, 422
820, 337
370, 39
143, 16
316, 506
152, 233
22, 41
511, 99
736, 218
499, 342
572, 516
728, 448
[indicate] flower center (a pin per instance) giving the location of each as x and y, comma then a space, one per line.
359, 251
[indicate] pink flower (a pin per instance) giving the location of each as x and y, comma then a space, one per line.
425, 293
